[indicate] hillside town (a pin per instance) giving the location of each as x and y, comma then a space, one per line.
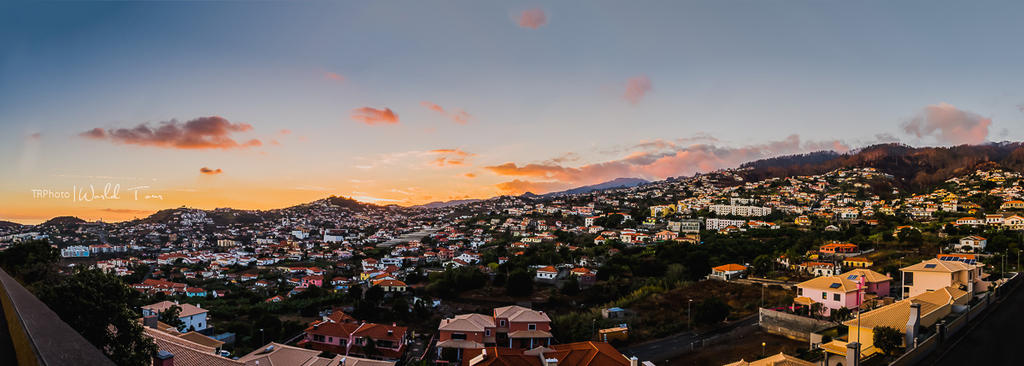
565, 279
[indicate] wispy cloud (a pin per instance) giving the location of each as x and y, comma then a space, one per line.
125, 211
532, 18
517, 186
372, 116
208, 171
636, 88
458, 116
334, 76
448, 157
201, 133
657, 161
947, 124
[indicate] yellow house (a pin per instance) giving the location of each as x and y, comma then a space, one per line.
662, 210
934, 306
858, 262
803, 220
934, 274
1012, 205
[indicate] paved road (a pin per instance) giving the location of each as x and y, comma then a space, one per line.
994, 340
678, 344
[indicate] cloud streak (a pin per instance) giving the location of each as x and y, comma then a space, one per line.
201, 133
372, 116
950, 125
334, 76
450, 157
533, 18
458, 116
656, 161
208, 171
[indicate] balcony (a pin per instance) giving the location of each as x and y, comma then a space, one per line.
32, 334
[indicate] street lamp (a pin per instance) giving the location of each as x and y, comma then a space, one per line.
689, 319
262, 341
762, 349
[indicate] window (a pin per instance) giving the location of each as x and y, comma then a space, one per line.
799, 291
459, 336
318, 338
502, 323
824, 296
908, 278
487, 332
835, 297
532, 326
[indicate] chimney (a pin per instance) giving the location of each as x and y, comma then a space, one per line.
853, 354
913, 325
150, 321
633, 361
342, 363
163, 358
550, 362
479, 358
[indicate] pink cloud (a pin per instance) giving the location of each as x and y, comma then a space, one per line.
660, 162
373, 116
458, 116
636, 88
517, 186
201, 133
533, 18
447, 157
334, 76
949, 125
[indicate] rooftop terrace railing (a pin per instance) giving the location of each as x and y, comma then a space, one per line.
35, 335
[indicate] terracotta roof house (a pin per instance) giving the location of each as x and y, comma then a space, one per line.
934, 274
510, 326
571, 354
728, 271
780, 359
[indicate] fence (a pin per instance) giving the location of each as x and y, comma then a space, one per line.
36, 333
789, 325
947, 330
917, 354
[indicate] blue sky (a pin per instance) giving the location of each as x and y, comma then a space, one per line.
745, 73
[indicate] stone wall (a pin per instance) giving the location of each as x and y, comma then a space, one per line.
790, 325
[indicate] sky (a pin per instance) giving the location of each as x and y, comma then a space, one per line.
259, 105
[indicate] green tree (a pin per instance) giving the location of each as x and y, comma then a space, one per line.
172, 316
887, 339
99, 306
30, 262
520, 283
710, 311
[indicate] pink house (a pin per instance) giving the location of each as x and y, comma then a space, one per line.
833, 292
317, 281
874, 283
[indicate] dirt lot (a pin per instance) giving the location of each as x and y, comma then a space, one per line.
746, 346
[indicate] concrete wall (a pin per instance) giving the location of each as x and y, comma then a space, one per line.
923, 349
789, 325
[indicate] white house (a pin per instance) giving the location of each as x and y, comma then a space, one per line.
193, 317
973, 243
547, 273
76, 251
